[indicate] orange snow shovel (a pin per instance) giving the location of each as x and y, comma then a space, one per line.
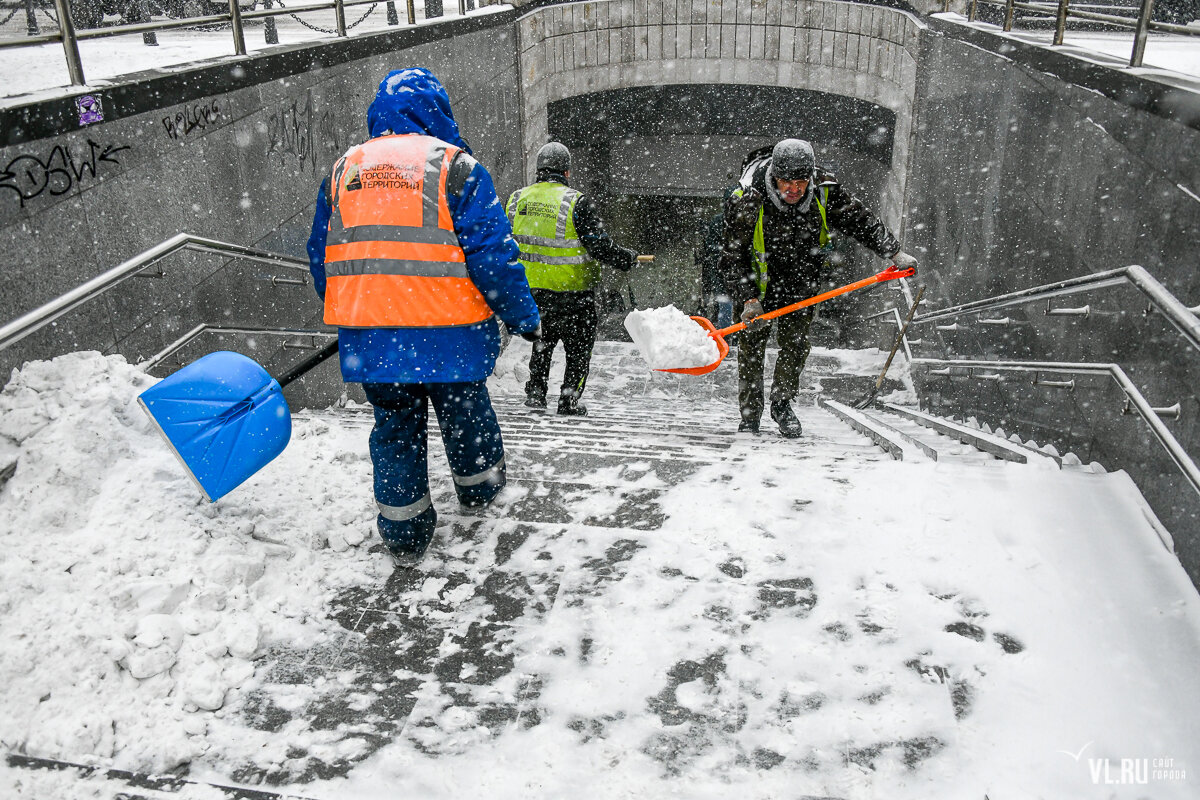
891, 273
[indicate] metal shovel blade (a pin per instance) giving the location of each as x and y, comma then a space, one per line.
224, 417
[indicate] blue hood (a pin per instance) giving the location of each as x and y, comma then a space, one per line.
413, 101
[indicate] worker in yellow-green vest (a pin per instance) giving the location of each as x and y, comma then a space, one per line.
563, 243
776, 238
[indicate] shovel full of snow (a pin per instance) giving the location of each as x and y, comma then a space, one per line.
224, 416
671, 343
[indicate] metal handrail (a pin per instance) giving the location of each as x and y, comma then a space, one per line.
204, 328
26, 324
1147, 412
1183, 318
1142, 24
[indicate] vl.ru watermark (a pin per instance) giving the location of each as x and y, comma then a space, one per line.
1135, 770
1114, 771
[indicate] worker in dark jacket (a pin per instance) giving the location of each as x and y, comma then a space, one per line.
414, 258
777, 225
563, 242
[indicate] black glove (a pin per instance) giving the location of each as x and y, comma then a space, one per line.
904, 261
630, 258
534, 335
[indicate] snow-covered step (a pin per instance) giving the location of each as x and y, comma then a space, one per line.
988, 442
898, 446
935, 445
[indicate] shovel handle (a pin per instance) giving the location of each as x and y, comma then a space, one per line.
889, 274
899, 337
308, 363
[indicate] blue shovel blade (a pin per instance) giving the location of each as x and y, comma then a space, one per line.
224, 416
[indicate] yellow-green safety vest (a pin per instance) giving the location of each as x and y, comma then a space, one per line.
543, 223
760, 246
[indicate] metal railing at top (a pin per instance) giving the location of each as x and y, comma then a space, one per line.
235, 17
26, 324
1061, 12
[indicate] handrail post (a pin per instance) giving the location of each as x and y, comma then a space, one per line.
270, 32
239, 35
972, 10
139, 11
1139, 34
412, 12
1060, 27
66, 28
1009, 12
393, 18
340, 13
31, 26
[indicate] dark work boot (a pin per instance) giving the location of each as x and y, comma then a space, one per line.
571, 407
789, 426
748, 424
535, 400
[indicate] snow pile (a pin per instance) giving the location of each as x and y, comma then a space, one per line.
669, 339
133, 612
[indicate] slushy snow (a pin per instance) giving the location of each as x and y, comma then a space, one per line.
669, 339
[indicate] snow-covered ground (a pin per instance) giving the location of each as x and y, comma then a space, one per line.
702, 613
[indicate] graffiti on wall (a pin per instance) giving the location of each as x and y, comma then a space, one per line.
30, 176
295, 129
196, 116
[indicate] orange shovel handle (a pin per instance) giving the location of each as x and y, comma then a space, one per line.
889, 274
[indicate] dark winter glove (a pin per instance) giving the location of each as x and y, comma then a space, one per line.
750, 312
534, 335
904, 261
629, 258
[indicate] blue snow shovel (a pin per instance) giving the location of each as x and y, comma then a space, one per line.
225, 417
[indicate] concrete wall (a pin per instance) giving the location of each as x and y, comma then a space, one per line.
241, 165
1031, 167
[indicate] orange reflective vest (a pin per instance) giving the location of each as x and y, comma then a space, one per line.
392, 259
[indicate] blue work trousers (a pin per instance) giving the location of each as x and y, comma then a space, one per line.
399, 450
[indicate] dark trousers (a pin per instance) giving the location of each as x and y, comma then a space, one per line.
791, 332
570, 318
399, 451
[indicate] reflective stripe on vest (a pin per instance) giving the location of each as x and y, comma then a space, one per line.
760, 244
392, 259
543, 222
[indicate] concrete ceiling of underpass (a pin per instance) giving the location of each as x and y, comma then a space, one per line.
690, 140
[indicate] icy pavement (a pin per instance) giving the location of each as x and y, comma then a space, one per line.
654, 606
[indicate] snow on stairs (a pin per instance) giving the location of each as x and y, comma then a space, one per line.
912, 435
585, 496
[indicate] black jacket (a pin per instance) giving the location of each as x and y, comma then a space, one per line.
589, 226
795, 262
